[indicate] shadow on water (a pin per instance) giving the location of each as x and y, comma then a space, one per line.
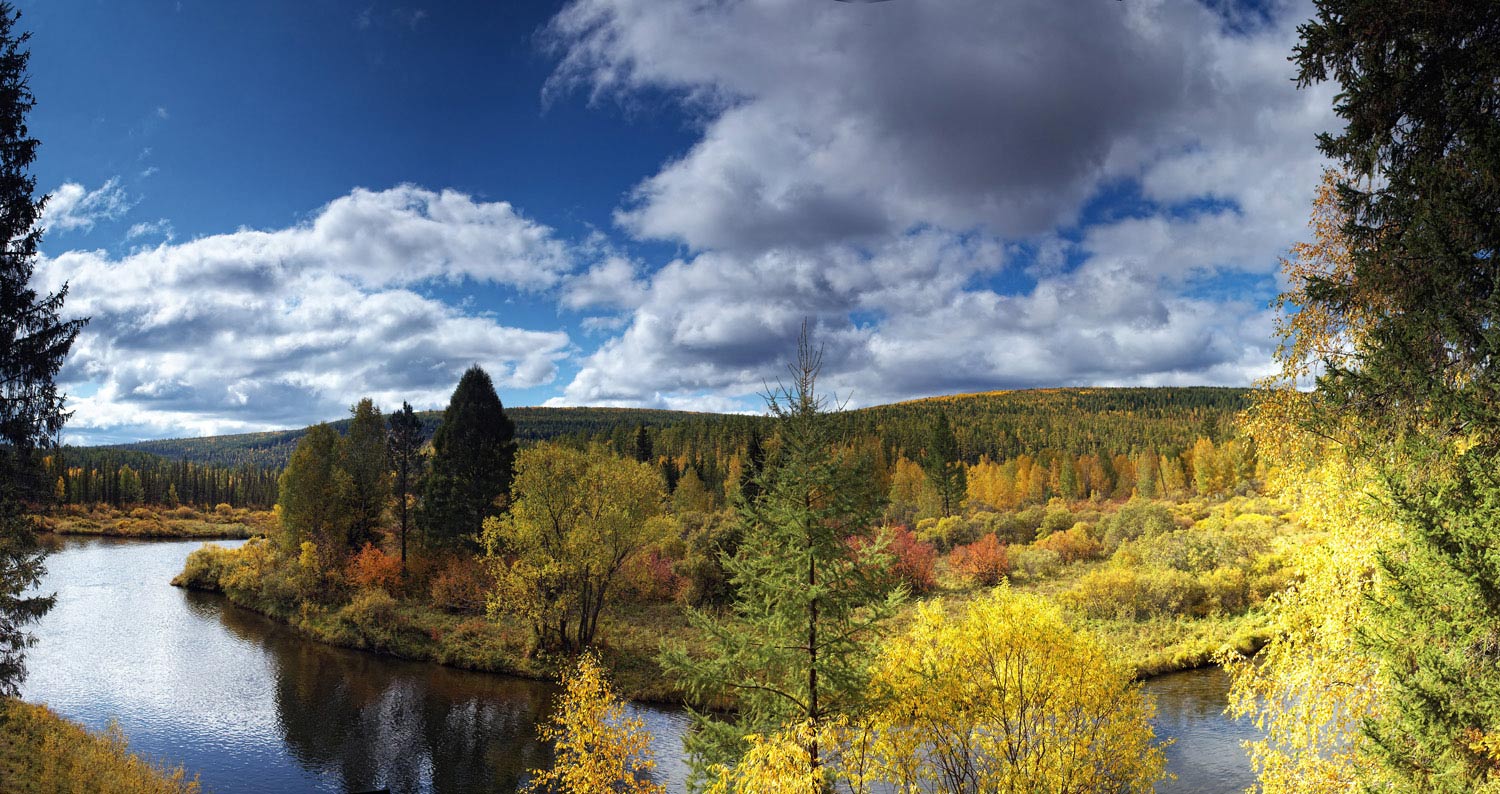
374, 721
254, 707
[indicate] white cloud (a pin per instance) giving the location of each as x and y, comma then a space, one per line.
262, 329
72, 206
160, 227
867, 165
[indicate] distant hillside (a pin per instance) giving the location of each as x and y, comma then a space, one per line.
993, 424
273, 448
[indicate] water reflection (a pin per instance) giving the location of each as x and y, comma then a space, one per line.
255, 708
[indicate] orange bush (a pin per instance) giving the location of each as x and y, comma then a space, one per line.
985, 561
373, 568
1075, 544
462, 585
650, 576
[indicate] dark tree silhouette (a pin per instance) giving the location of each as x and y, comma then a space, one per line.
33, 343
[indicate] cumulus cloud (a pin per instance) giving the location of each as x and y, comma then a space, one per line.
262, 329
72, 206
932, 184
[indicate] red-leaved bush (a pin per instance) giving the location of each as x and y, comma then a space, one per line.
915, 560
985, 561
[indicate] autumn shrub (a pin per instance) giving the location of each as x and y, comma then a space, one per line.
1005, 697
205, 567
1139, 518
42, 753
373, 568
373, 619
914, 562
143, 514
1035, 563
181, 512
223, 510
708, 539
1057, 518
461, 585
1115, 592
650, 576
985, 561
946, 533
1072, 545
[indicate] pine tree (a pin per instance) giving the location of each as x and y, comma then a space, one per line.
366, 489
33, 342
643, 453
942, 465
404, 453
793, 648
474, 450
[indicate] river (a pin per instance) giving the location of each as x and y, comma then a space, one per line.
252, 707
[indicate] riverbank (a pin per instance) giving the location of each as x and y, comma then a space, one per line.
631, 634
220, 523
44, 753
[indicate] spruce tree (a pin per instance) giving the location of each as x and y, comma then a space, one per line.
942, 466
474, 450
793, 647
33, 342
404, 455
1420, 156
643, 453
366, 488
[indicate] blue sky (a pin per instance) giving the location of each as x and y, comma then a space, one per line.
272, 209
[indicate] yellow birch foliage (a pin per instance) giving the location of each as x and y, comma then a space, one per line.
1312, 686
597, 749
1007, 697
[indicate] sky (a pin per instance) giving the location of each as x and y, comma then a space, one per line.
270, 210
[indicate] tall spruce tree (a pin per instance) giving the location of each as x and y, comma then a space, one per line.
942, 466
404, 456
366, 488
1420, 150
33, 342
474, 450
793, 647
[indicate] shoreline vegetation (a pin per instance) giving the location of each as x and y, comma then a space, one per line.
1178, 595
222, 522
43, 753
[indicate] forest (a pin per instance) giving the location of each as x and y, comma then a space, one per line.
962, 594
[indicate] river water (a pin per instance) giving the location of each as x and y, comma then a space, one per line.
252, 707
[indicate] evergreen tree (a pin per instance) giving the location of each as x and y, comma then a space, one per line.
366, 488
643, 453
474, 450
310, 485
33, 343
1419, 388
793, 648
942, 465
754, 464
404, 452
130, 491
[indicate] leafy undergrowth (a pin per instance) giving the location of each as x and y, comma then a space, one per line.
1169, 587
43, 753
157, 522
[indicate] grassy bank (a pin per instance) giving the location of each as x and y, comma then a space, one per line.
1168, 586
223, 522
42, 753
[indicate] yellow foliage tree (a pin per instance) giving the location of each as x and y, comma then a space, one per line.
1313, 686
597, 748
